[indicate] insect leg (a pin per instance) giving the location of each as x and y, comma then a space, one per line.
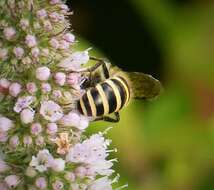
110, 119
102, 63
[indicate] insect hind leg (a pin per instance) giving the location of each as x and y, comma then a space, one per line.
110, 119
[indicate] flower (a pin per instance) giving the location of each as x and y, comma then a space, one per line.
26, 60
14, 89
69, 37
73, 79
5, 124
27, 116
31, 87
47, 25
36, 128
43, 73
46, 87
19, 52
30, 172
93, 153
54, 16
58, 165
3, 54
51, 111
23, 102
4, 83
41, 183
63, 44
35, 52
73, 119
14, 141
24, 24
41, 13
53, 2
9, 33
57, 185
27, 140
30, 41
60, 78
75, 61
63, 143
81, 172
3, 166
54, 43
12, 181
52, 128
42, 161
101, 184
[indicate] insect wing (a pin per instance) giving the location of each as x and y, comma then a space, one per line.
143, 85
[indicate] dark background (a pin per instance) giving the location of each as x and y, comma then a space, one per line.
116, 29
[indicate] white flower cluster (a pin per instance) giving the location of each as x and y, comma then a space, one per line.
41, 132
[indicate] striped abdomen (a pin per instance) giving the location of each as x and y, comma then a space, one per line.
105, 98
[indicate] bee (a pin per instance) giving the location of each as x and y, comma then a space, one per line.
110, 90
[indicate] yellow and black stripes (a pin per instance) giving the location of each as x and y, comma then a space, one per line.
105, 98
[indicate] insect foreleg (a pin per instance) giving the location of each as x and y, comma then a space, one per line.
103, 63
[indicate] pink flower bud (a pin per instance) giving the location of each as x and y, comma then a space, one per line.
31, 87
40, 141
60, 78
46, 87
30, 41
27, 140
5, 124
41, 13
57, 94
70, 176
64, 7
3, 54
71, 119
19, 52
9, 33
52, 128
73, 79
80, 172
69, 37
54, 43
54, 16
63, 44
53, 2
4, 83
43, 73
14, 141
58, 165
41, 183
57, 185
24, 24
47, 25
35, 52
12, 181
27, 116
3, 166
3, 136
15, 89
26, 60
36, 128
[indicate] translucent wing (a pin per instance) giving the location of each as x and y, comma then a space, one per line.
143, 85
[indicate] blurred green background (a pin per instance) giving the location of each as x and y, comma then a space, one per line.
167, 143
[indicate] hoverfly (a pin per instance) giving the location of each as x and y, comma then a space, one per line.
110, 94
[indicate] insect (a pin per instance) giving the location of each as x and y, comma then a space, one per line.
114, 91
